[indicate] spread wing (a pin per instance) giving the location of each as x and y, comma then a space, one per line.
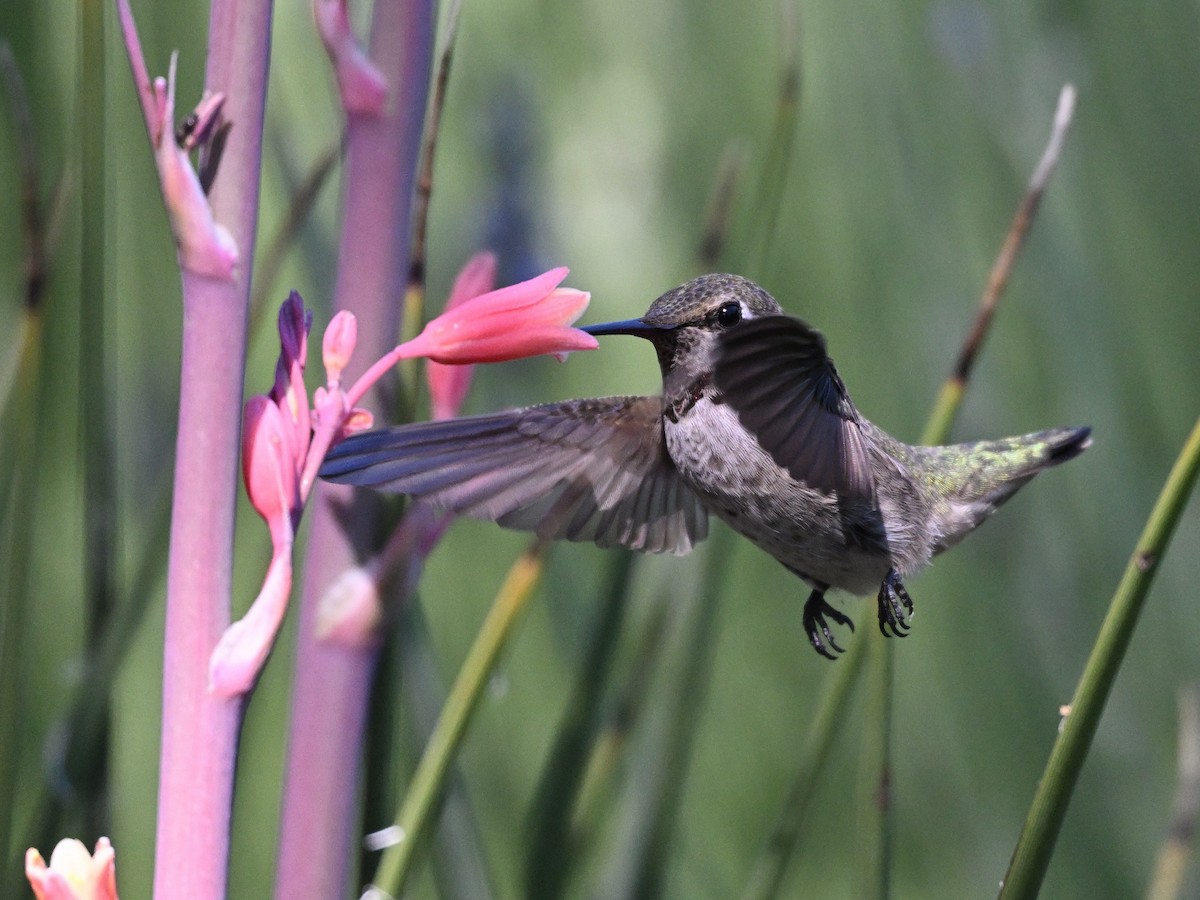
584, 470
775, 373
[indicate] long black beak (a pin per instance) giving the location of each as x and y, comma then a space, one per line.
636, 327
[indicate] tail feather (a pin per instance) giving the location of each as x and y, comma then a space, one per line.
999, 467
1072, 442
987, 473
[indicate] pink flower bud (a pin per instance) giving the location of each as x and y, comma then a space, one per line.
361, 85
269, 465
341, 335
204, 246
295, 322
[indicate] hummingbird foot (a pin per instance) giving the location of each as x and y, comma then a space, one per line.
895, 606
816, 608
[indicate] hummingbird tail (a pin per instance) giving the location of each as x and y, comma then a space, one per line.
1065, 443
996, 469
986, 473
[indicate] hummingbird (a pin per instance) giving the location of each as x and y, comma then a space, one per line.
754, 426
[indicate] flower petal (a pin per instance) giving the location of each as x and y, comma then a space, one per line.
448, 385
204, 246
476, 278
502, 347
268, 465
73, 873
350, 612
513, 297
525, 319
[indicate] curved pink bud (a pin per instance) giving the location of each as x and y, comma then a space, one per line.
243, 649
362, 87
341, 335
269, 466
204, 246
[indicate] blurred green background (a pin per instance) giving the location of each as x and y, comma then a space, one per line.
592, 135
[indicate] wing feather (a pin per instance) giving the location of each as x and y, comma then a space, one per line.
775, 372
583, 470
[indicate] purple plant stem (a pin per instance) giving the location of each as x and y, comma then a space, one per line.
332, 682
200, 729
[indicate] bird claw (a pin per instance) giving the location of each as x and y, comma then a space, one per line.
895, 606
816, 608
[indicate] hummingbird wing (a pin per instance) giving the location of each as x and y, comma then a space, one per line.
774, 371
584, 470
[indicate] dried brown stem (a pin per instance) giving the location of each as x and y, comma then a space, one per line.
33, 231
1017, 231
445, 56
1176, 850
771, 188
717, 221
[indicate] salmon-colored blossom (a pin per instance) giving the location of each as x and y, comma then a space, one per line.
73, 873
448, 385
525, 319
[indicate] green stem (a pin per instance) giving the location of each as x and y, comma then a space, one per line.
874, 823
560, 789
17, 504
1175, 854
1032, 855
945, 409
101, 536
415, 815
766, 879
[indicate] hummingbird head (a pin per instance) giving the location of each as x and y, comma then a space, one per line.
685, 322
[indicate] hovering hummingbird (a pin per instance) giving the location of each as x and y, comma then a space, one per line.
754, 425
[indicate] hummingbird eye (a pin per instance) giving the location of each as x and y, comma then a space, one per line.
729, 314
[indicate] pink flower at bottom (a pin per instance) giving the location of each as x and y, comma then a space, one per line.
73, 873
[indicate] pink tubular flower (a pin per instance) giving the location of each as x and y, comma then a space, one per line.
283, 442
271, 463
448, 385
73, 873
284, 438
525, 319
